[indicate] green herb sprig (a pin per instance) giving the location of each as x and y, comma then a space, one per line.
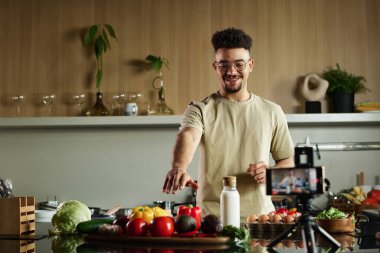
240, 236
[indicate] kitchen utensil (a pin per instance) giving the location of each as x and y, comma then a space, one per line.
170, 205
6, 188
113, 210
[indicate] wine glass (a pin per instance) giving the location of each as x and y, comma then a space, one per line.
135, 97
48, 100
118, 100
79, 99
17, 99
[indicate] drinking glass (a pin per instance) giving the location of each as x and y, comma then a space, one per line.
118, 101
48, 100
17, 99
134, 97
79, 99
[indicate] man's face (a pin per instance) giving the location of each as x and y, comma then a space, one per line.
233, 65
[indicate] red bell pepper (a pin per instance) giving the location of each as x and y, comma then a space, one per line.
195, 212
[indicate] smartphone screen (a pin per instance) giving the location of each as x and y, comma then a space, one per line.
295, 181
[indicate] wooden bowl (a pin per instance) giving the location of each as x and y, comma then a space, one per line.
346, 225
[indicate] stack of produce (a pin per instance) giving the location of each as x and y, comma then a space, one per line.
357, 196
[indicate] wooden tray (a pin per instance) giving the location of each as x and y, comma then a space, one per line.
160, 240
268, 227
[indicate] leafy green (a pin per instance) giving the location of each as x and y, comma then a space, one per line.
240, 236
156, 62
68, 215
341, 80
332, 213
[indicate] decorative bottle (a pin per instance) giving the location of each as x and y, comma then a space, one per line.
230, 203
161, 108
99, 108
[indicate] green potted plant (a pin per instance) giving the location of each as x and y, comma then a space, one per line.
98, 36
342, 89
156, 63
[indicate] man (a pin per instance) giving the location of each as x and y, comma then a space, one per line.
236, 130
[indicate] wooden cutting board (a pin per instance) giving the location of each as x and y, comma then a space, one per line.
160, 240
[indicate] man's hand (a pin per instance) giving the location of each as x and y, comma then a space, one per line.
177, 179
258, 171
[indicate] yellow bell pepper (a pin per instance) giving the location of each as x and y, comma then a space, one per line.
158, 211
144, 212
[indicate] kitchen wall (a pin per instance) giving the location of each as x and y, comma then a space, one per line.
42, 50
125, 162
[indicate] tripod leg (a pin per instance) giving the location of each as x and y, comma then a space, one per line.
283, 235
326, 236
308, 236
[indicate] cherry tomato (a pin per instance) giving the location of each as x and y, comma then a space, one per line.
137, 227
162, 226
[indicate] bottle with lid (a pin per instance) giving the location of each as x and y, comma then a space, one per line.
230, 203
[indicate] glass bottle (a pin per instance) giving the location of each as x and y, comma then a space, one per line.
161, 108
99, 108
230, 203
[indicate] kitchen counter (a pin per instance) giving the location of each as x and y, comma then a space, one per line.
258, 242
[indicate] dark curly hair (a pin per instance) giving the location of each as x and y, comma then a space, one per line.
231, 38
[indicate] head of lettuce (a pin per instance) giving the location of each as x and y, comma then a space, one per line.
68, 215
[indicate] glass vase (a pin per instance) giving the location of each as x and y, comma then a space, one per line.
99, 109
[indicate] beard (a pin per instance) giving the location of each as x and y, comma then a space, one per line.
228, 89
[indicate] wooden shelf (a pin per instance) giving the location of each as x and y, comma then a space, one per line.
174, 121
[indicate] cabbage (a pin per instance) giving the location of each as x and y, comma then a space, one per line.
68, 215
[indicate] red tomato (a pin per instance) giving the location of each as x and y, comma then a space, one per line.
375, 194
162, 226
137, 227
370, 202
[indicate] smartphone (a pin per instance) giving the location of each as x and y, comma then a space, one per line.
295, 181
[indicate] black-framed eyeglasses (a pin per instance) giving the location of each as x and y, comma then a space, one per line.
239, 65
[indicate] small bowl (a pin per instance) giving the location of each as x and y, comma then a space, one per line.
345, 225
44, 215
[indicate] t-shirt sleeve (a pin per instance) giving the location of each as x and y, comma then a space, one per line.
192, 117
282, 146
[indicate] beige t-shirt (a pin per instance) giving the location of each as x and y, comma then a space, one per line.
236, 134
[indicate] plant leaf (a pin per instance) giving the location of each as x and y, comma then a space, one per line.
105, 37
157, 65
110, 30
90, 35
151, 58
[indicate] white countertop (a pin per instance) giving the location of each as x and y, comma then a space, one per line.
173, 121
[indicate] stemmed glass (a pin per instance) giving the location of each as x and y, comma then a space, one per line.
79, 99
17, 100
135, 97
48, 100
118, 100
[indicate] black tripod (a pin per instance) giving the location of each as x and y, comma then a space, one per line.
307, 224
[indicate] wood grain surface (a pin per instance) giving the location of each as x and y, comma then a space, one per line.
42, 50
